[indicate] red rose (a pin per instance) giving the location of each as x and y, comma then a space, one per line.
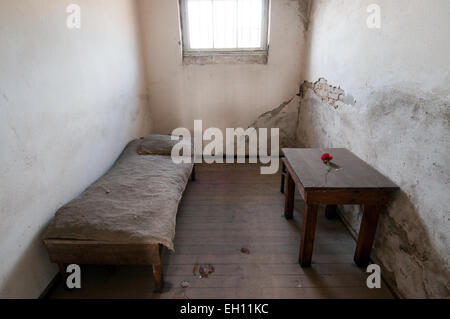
326, 158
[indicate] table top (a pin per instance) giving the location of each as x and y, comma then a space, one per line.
346, 170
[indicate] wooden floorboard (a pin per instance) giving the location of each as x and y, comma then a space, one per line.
228, 208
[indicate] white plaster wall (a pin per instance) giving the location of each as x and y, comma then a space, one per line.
70, 100
400, 78
221, 95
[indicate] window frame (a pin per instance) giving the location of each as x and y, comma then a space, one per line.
187, 51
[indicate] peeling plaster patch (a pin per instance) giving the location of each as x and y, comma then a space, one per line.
277, 111
413, 267
329, 94
284, 117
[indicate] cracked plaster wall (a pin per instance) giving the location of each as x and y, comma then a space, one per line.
228, 95
285, 117
393, 110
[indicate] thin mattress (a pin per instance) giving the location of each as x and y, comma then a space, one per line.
135, 202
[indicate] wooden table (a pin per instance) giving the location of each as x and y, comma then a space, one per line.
348, 180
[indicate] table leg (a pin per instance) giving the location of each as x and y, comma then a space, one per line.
283, 177
331, 211
366, 234
308, 233
289, 197
193, 175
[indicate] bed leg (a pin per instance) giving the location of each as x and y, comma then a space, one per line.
62, 272
193, 177
158, 276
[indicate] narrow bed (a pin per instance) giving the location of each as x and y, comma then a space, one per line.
126, 216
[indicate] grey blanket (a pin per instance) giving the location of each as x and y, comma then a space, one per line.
135, 202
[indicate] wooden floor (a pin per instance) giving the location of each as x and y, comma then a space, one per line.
230, 208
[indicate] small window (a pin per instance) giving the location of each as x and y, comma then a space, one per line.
224, 26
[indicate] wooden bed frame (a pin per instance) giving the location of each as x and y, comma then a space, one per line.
65, 252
